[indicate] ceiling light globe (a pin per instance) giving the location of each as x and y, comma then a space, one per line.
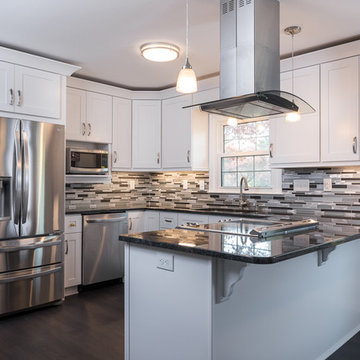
186, 81
159, 52
293, 116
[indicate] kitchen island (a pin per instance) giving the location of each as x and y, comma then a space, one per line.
205, 295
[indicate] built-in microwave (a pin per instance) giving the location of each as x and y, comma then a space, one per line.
86, 161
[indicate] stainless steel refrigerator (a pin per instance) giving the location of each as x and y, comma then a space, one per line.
31, 214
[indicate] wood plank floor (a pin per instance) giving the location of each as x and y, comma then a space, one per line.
86, 326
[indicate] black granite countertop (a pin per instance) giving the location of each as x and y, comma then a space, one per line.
241, 248
209, 211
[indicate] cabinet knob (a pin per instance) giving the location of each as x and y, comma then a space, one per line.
271, 149
355, 145
83, 131
19, 98
11, 101
73, 224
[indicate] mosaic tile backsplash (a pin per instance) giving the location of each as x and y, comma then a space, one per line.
337, 208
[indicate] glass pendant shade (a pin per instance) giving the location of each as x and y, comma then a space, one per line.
186, 81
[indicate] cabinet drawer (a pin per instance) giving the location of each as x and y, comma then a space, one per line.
168, 220
73, 224
191, 218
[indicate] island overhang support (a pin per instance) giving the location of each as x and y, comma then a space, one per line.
228, 274
323, 254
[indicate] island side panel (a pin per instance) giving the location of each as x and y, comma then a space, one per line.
293, 309
168, 314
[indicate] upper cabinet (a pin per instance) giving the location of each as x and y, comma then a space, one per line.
89, 116
340, 110
298, 142
146, 134
29, 91
121, 135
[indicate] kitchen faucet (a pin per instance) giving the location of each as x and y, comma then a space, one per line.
242, 202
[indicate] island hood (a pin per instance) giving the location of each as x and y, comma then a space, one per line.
250, 63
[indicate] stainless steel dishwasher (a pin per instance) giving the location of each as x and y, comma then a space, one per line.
103, 253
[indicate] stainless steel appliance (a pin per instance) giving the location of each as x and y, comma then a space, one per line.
31, 213
103, 253
86, 161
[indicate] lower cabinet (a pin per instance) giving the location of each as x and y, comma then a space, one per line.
152, 221
72, 249
135, 221
168, 220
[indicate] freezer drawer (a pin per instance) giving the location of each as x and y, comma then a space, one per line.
31, 252
23, 289
103, 253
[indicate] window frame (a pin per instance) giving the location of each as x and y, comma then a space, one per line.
216, 154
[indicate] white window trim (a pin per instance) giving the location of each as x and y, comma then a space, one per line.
215, 153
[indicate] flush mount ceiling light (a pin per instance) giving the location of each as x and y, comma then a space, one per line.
186, 81
293, 116
159, 52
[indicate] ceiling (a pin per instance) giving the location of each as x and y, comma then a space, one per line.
104, 36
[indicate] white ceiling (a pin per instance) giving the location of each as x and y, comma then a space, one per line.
104, 36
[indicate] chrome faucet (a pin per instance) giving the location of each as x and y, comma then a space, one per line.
242, 202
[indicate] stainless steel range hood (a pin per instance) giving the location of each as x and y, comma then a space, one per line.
250, 63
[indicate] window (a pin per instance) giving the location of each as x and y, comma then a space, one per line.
242, 150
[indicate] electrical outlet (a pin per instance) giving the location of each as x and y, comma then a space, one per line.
327, 184
132, 184
185, 184
92, 206
202, 185
301, 185
164, 261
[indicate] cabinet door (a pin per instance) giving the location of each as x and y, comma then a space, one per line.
151, 221
75, 114
72, 260
121, 136
294, 142
206, 96
176, 133
340, 110
37, 92
135, 222
7, 90
99, 117
146, 134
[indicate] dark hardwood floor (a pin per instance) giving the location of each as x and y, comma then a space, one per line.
86, 326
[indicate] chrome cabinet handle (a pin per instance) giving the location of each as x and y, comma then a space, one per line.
19, 98
355, 145
113, 220
158, 158
89, 129
115, 157
83, 131
11, 102
188, 156
130, 223
168, 221
271, 149
67, 247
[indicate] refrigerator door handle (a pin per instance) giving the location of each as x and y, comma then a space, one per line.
26, 170
17, 180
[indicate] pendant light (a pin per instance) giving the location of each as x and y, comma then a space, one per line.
186, 81
293, 116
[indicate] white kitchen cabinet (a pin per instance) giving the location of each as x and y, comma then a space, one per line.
72, 248
168, 220
184, 218
152, 220
7, 86
99, 117
340, 110
298, 142
146, 134
135, 221
206, 96
184, 135
121, 134
88, 116
75, 114
29, 91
